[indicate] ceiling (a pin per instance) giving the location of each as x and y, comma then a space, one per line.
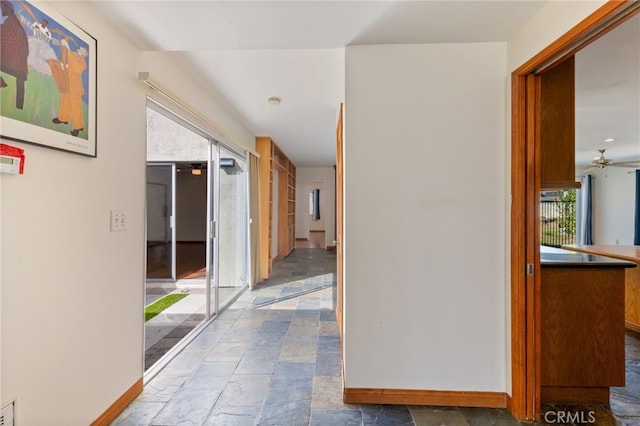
248, 51
608, 95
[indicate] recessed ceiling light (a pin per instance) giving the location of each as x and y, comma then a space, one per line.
274, 101
609, 140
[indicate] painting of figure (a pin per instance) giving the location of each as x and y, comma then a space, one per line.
47, 79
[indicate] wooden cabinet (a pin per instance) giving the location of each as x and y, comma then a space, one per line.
557, 126
631, 277
582, 333
281, 216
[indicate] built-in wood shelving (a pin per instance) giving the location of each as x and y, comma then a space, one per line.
273, 158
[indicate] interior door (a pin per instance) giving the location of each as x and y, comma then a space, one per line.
339, 222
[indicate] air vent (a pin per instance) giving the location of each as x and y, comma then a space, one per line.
7, 414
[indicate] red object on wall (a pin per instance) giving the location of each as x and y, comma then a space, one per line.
13, 151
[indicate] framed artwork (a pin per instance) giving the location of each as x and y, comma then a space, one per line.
47, 79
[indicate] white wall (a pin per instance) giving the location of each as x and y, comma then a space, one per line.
307, 179
551, 22
424, 241
72, 292
613, 206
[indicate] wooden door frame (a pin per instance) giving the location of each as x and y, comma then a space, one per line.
524, 402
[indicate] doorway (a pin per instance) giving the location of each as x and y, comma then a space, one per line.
197, 232
526, 168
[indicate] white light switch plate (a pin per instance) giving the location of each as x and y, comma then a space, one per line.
118, 221
6, 414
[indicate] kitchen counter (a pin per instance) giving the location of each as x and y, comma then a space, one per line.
631, 276
582, 326
555, 257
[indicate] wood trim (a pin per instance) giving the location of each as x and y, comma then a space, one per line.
331, 247
632, 326
281, 168
550, 186
425, 397
579, 36
525, 361
532, 229
316, 230
263, 147
518, 238
302, 239
119, 405
284, 244
340, 225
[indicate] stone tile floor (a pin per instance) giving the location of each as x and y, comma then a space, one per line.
168, 328
273, 358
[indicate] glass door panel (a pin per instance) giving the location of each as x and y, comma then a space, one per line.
212, 241
161, 248
232, 225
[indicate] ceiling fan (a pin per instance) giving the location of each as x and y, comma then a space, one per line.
601, 162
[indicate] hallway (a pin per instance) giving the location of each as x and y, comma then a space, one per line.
273, 358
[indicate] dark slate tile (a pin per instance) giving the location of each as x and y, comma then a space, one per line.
295, 370
277, 315
235, 335
138, 413
233, 416
213, 375
187, 407
289, 414
268, 342
293, 389
245, 390
327, 315
270, 327
329, 344
386, 415
258, 362
488, 416
335, 417
436, 416
328, 364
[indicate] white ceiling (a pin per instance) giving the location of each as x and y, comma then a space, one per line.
248, 51
608, 95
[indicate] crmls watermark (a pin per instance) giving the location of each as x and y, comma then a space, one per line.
566, 417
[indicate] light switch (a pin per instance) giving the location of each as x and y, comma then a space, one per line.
118, 221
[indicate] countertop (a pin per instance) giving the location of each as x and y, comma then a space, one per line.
625, 252
560, 258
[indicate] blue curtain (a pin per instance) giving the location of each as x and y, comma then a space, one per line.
316, 204
585, 212
636, 234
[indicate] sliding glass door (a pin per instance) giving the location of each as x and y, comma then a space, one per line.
232, 225
197, 230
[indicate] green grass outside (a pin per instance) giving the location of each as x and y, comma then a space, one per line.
161, 304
